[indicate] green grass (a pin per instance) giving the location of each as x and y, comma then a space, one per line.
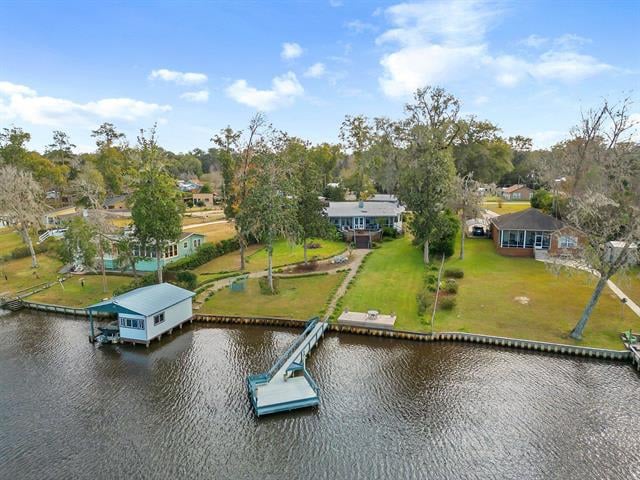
20, 275
9, 241
630, 283
283, 254
388, 282
299, 298
486, 302
73, 294
507, 207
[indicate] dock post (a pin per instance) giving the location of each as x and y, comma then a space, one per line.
92, 336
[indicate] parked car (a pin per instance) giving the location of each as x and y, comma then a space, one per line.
478, 231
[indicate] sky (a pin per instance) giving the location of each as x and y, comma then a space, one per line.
531, 67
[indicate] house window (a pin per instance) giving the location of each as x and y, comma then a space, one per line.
515, 195
185, 245
158, 319
197, 242
171, 251
136, 323
567, 241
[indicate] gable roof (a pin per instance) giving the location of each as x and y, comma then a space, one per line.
513, 188
529, 219
363, 209
185, 235
144, 301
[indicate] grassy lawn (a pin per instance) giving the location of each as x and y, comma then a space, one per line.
388, 282
20, 275
487, 301
9, 241
630, 283
216, 232
283, 254
507, 207
299, 298
75, 295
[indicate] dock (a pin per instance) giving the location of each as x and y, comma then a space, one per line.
287, 385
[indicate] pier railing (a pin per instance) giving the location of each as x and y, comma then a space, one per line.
289, 351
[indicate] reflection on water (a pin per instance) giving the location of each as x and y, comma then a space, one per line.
390, 409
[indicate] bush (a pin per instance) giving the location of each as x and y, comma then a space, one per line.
444, 236
447, 303
23, 251
454, 273
424, 301
264, 286
314, 245
205, 253
187, 279
431, 279
451, 286
389, 232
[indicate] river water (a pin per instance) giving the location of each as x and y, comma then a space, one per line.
390, 409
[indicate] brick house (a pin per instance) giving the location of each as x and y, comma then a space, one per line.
522, 234
517, 192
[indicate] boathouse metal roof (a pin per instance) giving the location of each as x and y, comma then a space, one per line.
363, 209
145, 301
529, 219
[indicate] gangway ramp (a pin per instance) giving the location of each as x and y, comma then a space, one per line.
287, 385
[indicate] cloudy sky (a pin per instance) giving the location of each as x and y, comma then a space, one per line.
529, 66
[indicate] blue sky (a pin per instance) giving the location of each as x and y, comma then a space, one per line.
196, 67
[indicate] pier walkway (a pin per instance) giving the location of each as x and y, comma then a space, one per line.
287, 385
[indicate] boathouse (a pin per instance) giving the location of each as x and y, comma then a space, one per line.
148, 312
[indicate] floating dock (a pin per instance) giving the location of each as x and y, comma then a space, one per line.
287, 385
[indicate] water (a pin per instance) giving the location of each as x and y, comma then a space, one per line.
390, 409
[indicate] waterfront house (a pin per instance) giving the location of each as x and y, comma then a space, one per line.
146, 261
530, 233
517, 192
55, 218
148, 312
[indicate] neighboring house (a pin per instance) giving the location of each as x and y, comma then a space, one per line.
521, 234
365, 215
517, 192
148, 312
116, 202
384, 197
188, 186
147, 262
55, 218
204, 199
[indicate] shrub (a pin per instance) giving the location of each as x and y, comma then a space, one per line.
389, 232
447, 303
444, 236
205, 253
454, 273
451, 286
314, 245
23, 251
431, 279
264, 286
424, 301
187, 279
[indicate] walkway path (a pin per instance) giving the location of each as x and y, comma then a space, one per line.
196, 225
354, 262
342, 289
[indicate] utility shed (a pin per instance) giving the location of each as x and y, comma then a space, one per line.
148, 312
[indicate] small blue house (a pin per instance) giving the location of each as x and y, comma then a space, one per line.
148, 312
188, 244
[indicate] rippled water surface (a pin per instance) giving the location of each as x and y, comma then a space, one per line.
390, 409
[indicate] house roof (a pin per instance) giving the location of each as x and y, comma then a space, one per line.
529, 219
144, 301
368, 209
185, 235
513, 188
114, 199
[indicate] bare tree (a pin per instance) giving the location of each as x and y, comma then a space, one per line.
21, 203
601, 163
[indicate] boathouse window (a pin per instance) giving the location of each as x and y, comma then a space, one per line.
136, 323
158, 319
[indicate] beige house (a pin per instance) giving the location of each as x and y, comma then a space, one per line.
205, 199
517, 192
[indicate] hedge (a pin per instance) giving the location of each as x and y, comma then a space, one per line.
205, 253
23, 252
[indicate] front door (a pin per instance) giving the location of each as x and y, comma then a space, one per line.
358, 223
538, 242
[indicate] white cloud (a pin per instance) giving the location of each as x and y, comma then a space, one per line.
284, 90
200, 96
547, 138
335, 3
24, 103
358, 26
534, 41
290, 51
180, 78
316, 70
481, 100
435, 43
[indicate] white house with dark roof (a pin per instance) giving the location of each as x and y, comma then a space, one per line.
365, 215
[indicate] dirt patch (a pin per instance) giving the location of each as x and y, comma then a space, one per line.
522, 300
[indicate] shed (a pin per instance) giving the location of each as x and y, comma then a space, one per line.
148, 312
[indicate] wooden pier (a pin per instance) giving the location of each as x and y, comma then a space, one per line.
288, 385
